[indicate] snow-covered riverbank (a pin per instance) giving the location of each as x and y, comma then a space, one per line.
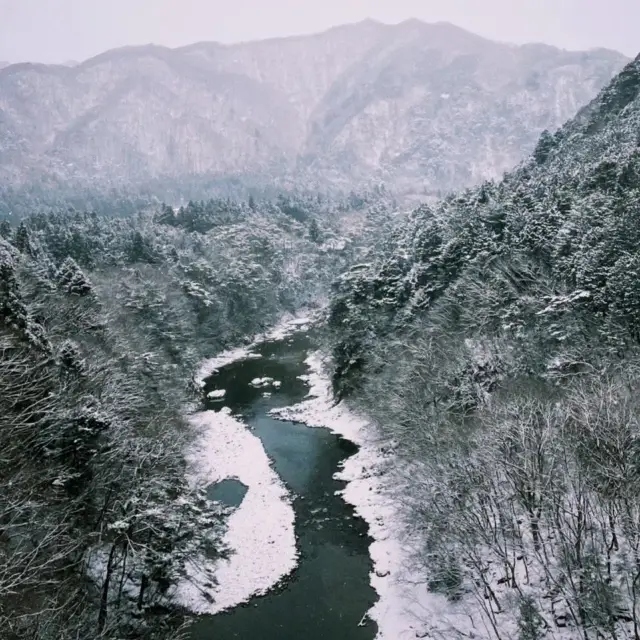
406, 609
288, 325
262, 554
228, 450
260, 532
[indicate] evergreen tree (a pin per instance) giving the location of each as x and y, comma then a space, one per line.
5, 230
72, 279
22, 238
315, 234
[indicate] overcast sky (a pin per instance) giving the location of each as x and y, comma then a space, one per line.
61, 30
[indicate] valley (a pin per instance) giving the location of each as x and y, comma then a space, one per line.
328, 336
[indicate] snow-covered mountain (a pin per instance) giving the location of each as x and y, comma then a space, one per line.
504, 311
415, 105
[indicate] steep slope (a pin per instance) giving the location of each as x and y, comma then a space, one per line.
438, 107
571, 207
495, 344
412, 104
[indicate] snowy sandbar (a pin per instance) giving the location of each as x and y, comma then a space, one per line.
261, 555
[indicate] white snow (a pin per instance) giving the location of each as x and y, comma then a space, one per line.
265, 554
211, 366
261, 382
405, 608
218, 394
260, 532
288, 325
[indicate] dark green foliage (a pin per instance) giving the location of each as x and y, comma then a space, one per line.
22, 241
81, 436
530, 624
103, 321
72, 280
494, 340
622, 92
5, 230
574, 211
14, 314
141, 249
17, 203
315, 235
293, 208
544, 147
202, 216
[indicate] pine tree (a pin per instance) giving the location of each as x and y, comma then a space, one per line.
314, 232
72, 279
5, 229
22, 239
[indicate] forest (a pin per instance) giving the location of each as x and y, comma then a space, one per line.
491, 340
494, 343
103, 321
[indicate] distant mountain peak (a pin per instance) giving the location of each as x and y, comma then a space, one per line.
370, 22
427, 106
412, 22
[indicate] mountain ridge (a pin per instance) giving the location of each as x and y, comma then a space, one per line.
414, 105
367, 22
496, 332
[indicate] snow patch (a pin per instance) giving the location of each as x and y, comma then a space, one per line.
287, 326
261, 382
260, 532
405, 609
210, 367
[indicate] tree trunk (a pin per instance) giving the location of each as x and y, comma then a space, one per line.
104, 600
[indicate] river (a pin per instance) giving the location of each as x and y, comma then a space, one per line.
328, 595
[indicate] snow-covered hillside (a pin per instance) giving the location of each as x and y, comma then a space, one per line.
421, 107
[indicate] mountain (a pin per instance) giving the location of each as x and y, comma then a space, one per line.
414, 105
571, 207
494, 341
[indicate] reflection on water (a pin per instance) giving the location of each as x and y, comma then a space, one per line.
329, 593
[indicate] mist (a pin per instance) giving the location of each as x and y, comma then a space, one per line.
73, 30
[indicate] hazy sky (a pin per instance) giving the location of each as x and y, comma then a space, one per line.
60, 30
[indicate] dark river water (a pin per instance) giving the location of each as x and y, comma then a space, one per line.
329, 593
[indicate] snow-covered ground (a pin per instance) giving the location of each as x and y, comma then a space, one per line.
261, 555
288, 325
226, 449
261, 382
405, 609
